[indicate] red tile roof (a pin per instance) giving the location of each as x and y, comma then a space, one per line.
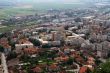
64, 58
37, 70
30, 50
25, 40
91, 60
53, 67
4, 43
83, 69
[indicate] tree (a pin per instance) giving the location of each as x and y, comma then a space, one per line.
109, 54
11, 55
66, 27
1, 48
77, 19
97, 61
103, 68
11, 43
2, 35
46, 46
62, 42
87, 35
35, 42
70, 61
88, 70
24, 58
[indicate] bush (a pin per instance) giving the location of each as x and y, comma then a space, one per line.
1, 48
35, 42
103, 68
11, 55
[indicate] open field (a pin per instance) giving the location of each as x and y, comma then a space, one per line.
34, 8
11, 27
1, 26
5, 29
8, 12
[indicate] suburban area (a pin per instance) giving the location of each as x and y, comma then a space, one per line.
66, 40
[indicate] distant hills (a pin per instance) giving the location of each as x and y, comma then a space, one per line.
6, 3
10, 8
14, 2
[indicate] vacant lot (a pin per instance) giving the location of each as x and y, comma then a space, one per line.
9, 12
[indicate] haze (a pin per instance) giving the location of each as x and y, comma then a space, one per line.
46, 1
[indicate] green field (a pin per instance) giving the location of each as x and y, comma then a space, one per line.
22, 26
13, 11
8, 12
5, 29
56, 6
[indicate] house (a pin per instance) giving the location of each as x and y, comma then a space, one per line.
91, 61
73, 28
66, 50
53, 68
37, 70
55, 43
83, 69
23, 43
43, 42
74, 40
7, 48
60, 53
62, 59
31, 51
5, 44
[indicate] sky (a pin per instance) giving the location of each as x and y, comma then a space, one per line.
57, 0
63, 1
49, 0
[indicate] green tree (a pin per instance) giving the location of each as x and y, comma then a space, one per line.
11, 55
35, 42
1, 48
46, 46
88, 70
77, 19
103, 68
11, 43
24, 58
70, 61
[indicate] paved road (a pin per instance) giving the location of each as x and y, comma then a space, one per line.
1, 71
4, 65
13, 62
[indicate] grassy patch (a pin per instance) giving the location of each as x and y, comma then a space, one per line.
5, 29
8, 12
